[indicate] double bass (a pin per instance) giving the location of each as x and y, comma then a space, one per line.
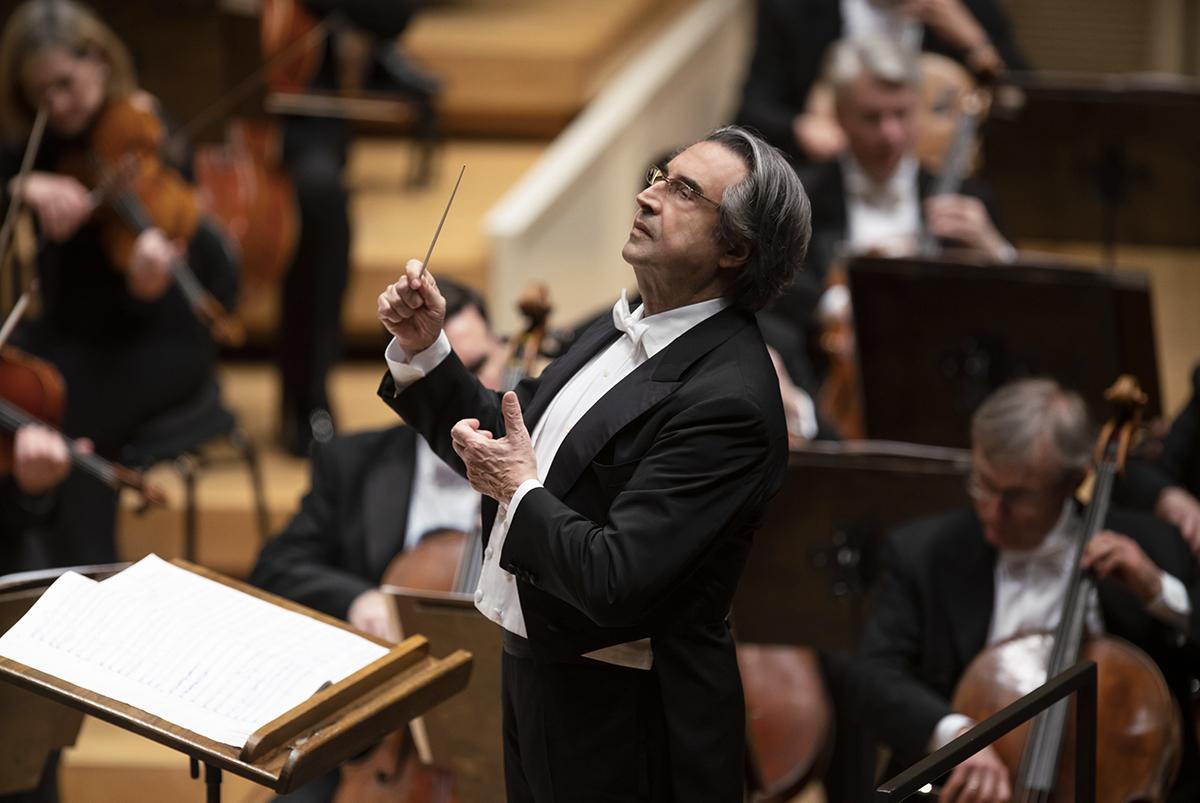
1138, 727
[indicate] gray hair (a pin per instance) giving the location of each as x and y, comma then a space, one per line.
1025, 416
767, 210
877, 54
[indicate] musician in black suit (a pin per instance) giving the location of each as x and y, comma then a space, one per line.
954, 584
374, 494
624, 519
1169, 483
876, 198
793, 37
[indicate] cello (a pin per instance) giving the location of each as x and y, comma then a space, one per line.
1138, 728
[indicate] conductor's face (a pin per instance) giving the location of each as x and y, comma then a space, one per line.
674, 234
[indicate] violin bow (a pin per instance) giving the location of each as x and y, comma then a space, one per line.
10, 222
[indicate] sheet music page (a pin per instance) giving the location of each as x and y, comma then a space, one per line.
184, 648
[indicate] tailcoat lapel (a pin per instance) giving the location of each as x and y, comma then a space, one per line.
642, 389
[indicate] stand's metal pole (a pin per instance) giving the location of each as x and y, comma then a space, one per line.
212, 783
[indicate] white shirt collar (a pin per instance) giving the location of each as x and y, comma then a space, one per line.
1060, 538
861, 187
656, 332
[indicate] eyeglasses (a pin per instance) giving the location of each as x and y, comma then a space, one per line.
1024, 500
677, 187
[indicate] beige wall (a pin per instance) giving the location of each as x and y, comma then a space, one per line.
1108, 35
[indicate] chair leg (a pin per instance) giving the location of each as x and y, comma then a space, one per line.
187, 471
250, 455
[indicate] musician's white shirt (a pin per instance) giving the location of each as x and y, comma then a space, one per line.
1030, 588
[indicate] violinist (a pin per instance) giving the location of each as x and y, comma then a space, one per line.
1169, 483
114, 322
373, 495
954, 584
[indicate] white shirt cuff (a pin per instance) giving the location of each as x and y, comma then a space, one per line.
406, 370
834, 303
517, 496
948, 728
1172, 604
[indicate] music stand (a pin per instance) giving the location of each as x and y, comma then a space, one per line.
1096, 157
936, 336
464, 733
334, 724
808, 579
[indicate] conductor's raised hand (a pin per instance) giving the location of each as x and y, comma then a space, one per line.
412, 309
497, 466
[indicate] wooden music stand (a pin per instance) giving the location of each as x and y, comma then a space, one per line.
937, 335
1107, 158
333, 725
810, 573
35, 726
464, 734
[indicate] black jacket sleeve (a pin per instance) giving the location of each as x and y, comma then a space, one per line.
1179, 463
303, 563
672, 506
904, 709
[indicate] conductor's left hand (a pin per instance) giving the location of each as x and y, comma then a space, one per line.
497, 466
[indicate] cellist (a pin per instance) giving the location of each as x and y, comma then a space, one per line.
957, 583
120, 332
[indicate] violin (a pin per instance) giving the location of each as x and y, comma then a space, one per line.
32, 392
1138, 727
133, 191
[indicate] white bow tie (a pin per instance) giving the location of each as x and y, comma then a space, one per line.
631, 323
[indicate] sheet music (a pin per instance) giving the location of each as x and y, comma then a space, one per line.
184, 648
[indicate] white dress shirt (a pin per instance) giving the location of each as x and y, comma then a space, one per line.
496, 597
863, 17
442, 499
1031, 586
882, 218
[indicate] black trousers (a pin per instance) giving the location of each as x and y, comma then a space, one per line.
311, 325
582, 731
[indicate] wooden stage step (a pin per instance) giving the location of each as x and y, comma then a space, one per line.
527, 67
111, 765
393, 223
